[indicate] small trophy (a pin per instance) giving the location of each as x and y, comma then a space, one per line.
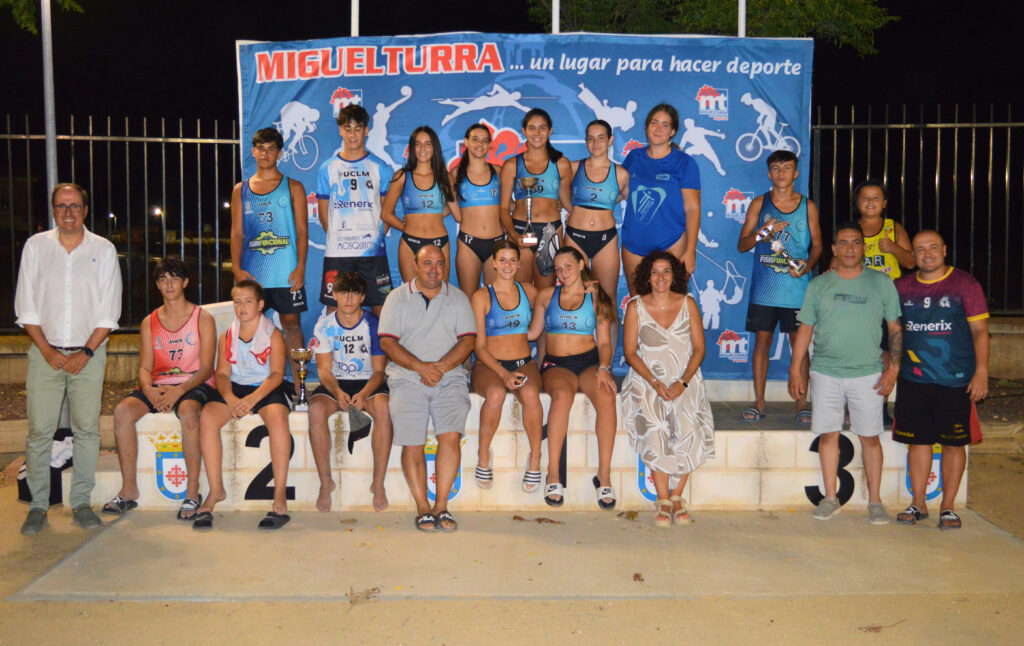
766, 233
527, 183
302, 355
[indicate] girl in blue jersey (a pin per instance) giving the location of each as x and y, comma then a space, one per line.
579, 356
426, 196
478, 191
598, 184
503, 362
663, 209
553, 173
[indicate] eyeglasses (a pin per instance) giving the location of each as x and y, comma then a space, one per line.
62, 208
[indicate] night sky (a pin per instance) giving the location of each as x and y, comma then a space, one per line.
177, 59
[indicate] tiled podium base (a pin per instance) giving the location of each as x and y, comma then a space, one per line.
752, 469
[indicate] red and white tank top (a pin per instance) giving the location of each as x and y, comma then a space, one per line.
175, 352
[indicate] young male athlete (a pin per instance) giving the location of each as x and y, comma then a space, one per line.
349, 192
177, 344
944, 372
351, 367
776, 289
269, 237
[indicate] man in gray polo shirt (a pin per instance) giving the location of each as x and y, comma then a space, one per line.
427, 330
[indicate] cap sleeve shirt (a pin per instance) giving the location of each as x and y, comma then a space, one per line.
847, 316
427, 328
655, 217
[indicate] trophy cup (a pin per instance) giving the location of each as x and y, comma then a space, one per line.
302, 355
527, 183
766, 233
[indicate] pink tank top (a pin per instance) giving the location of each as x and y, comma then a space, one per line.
175, 352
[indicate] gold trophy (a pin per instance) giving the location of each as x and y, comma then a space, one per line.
766, 233
527, 183
302, 355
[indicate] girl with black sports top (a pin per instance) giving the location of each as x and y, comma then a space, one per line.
579, 356
503, 363
478, 191
426, 195
553, 175
598, 184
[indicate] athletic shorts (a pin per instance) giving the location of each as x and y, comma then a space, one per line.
933, 414
514, 364
373, 269
764, 318
278, 395
482, 247
284, 301
577, 363
201, 393
415, 244
832, 394
591, 242
413, 404
350, 387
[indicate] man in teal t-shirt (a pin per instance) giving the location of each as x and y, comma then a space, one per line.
843, 309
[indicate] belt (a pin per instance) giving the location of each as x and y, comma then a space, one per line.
76, 348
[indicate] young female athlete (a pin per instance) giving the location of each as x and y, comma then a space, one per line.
552, 173
426, 195
251, 359
478, 191
579, 356
503, 362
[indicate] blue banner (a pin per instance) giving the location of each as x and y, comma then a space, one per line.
738, 100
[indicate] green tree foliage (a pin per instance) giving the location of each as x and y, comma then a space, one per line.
26, 12
844, 23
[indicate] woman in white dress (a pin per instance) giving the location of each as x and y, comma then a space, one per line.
663, 394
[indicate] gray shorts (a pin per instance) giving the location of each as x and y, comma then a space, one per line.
413, 404
829, 395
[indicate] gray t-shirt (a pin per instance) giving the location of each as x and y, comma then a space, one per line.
847, 316
428, 328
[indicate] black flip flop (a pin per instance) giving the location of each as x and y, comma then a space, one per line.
274, 520
423, 519
445, 516
203, 521
189, 504
118, 505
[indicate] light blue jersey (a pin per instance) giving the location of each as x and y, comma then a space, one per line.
601, 196
354, 190
558, 320
547, 181
352, 349
488, 194
770, 284
268, 224
416, 200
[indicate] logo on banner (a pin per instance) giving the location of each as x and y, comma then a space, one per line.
768, 135
430, 452
631, 145
644, 481
933, 486
734, 346
344, 97
297, 125
713, 102
736, 204
171, 474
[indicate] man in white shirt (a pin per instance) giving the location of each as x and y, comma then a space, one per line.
68, 300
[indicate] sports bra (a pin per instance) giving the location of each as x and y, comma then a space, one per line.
488, 194
601, 196
547, 182
558, 320
500, 322
416, 200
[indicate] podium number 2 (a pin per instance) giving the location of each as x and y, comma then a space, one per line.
846, 484
260, 487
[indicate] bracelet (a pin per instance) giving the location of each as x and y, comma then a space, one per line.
88, 351
607, 368
685, 385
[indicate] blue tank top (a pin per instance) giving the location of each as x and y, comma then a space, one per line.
601, 196
581, 320
416, 200
547, 182
488, 194
770, 283
500, 321
268, 230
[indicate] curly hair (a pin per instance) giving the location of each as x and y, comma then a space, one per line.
642, 275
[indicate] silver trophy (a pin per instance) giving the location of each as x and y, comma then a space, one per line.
766, 233
527, 183
301, 356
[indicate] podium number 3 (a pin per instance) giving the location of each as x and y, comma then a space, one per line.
846, 484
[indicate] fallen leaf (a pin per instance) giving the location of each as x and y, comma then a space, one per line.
399, 587
361, 596
347, 521
519, 518
541, 520
638, 577
875, 628
628, 515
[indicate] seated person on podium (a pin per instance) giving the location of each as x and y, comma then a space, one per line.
251, 362
351, 366
177, 343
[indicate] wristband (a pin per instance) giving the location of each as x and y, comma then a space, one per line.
88, 351
607, 368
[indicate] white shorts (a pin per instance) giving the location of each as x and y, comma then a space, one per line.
413, 404
831, 394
